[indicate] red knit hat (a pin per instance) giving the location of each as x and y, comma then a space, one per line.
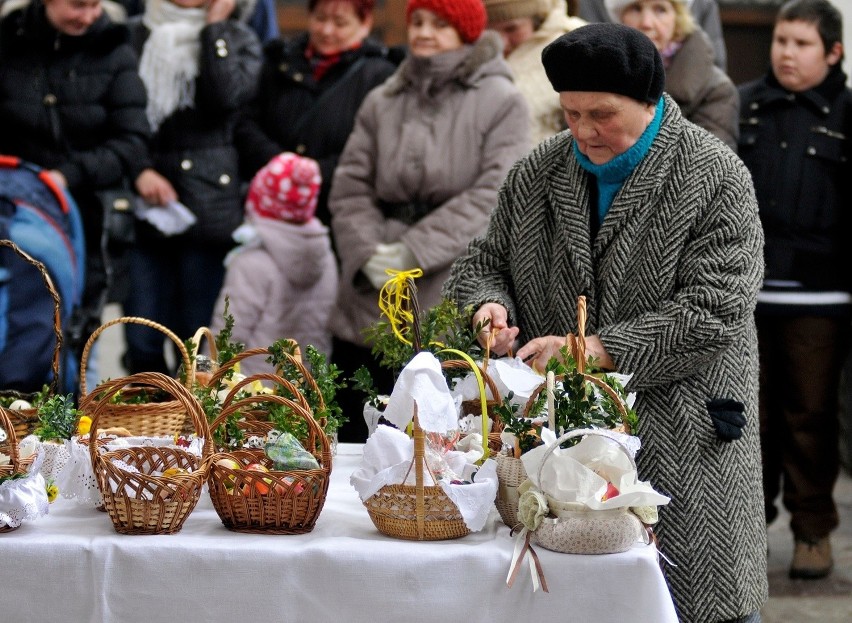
466, 16
285, 189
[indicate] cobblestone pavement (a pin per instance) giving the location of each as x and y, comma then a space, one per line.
790, 601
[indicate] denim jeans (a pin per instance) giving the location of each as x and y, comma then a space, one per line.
174, 282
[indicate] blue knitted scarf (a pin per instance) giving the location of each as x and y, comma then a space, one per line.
610, 175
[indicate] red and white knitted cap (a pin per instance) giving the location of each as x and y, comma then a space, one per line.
286, 189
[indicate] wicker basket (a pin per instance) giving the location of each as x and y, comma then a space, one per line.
277, 501
510, 468
140, 502
419, 512
147, 419
587, 531
10, 447
474, 406
26, 420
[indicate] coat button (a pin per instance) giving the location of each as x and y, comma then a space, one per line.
224, 179
811, 151
221, 52
301, 149
298, 77
220, 43
783, 145
186, 165
754, 106
49, 100
283, 67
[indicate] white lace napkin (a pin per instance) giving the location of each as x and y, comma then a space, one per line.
24, 499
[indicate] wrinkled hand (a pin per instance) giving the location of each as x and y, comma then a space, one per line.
494, 318
537, 352
154, 188
220, 10
395, 256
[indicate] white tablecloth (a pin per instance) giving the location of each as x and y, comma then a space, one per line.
72, 566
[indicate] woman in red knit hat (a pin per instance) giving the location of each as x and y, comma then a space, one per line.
419, 175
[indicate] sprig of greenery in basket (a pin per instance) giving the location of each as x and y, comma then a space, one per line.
57, 418
576, 404
444, 326
326, 375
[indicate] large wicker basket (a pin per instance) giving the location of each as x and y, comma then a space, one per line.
26, 420
277, 501
140, 502
418, 512
143, 419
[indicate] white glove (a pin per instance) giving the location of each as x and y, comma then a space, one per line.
395, 256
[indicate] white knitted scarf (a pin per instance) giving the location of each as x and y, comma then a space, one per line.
169, 63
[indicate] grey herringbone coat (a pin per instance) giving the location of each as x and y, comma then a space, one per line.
671, 281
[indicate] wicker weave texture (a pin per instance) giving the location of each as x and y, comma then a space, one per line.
140, 502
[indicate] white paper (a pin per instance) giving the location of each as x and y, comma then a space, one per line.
171, 219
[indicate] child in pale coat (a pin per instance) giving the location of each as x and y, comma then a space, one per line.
282, 281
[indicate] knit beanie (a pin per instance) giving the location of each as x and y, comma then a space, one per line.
504, 10
615, 7
285, 189
607, 58
466, 16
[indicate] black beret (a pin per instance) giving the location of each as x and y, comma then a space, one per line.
608, 58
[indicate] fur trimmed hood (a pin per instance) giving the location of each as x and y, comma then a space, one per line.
482, 58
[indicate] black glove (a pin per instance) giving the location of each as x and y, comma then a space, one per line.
728, 418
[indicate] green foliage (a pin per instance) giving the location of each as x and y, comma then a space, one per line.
441, 326
57, 418
226, 347
363, 381
323, 404
577, 403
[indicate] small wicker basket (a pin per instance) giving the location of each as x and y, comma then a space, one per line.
26, 420
418, 512
145, 419
9, 446
277, 501
510, 468
139, 502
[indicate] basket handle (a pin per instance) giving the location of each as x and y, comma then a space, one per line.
487, 382
160, 381
84, 359
314, 429
11, 438
57, 308
265, 376
581, 432
200, 334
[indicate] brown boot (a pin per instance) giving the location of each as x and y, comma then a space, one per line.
811, 559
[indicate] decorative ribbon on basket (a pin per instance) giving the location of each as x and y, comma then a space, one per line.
150, 489
147, 419
25, 420
601, 525
23, 496
274, 501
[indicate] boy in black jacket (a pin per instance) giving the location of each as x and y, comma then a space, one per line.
796, 124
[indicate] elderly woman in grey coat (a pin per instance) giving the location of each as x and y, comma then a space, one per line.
419, 175
656, 224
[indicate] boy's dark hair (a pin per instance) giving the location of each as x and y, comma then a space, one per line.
821, 13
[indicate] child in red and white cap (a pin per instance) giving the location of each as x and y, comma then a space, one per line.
282, 280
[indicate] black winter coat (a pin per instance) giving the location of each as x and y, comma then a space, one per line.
294, 112
75, 104
798, 147
194, 147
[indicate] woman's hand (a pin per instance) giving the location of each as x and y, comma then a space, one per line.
154, 188
220, 10
494, 319
538, 352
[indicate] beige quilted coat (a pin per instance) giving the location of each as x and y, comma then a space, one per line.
443, 131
